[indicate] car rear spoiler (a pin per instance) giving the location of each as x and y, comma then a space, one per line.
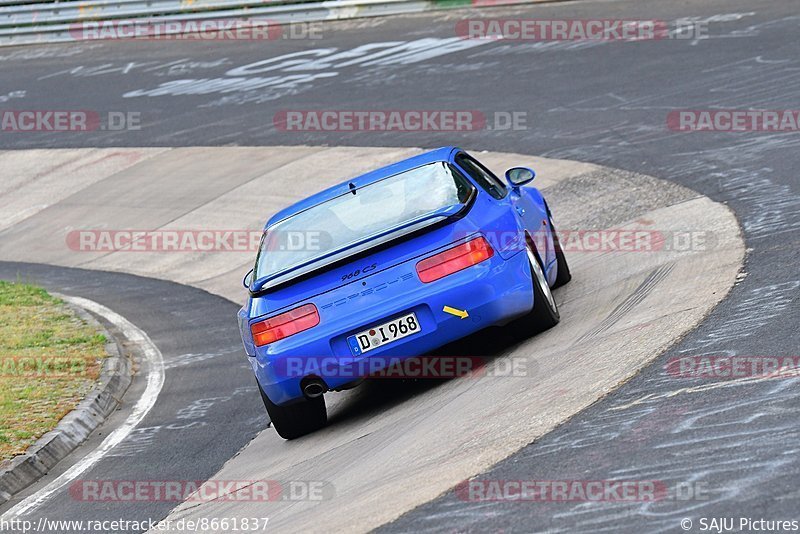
361, 248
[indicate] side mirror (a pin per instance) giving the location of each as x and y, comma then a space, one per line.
248, 279
517, 176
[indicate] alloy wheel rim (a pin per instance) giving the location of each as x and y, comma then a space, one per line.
541, 281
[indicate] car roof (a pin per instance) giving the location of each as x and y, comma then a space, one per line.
439, 154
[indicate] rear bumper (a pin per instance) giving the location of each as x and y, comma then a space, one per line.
493, 293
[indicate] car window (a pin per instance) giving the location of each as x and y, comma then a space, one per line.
340, 222
488, 181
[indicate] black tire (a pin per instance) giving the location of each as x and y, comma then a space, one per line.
563, 276
297, 419
544, 314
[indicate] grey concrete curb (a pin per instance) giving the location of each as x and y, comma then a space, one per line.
115, 377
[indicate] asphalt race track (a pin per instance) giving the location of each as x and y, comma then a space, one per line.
722, 447
207, 390
624, 307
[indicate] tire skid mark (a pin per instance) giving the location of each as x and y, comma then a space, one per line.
46, 172
639, 294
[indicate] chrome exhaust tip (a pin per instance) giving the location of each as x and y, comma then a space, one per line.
314, 388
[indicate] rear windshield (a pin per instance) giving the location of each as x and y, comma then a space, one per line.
350, 219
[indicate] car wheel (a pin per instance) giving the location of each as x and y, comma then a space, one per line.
297, 419
562, 269
544, 314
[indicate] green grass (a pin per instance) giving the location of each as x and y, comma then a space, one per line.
49, 360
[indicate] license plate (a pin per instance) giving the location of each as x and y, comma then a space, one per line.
383, 334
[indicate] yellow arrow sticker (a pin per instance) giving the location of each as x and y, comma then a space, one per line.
455, 311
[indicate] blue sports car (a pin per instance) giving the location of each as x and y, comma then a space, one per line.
390, 266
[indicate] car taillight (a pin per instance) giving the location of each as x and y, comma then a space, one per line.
454, 259
284, 325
